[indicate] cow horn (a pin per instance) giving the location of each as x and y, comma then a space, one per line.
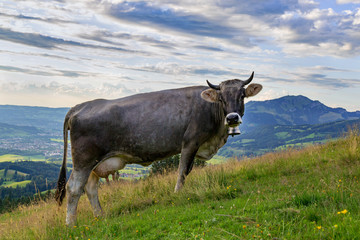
246, 82
216, 87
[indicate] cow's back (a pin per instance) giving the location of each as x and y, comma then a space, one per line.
149, 126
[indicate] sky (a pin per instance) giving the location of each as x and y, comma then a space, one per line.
58, 53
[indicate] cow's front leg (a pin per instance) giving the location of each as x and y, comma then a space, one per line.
185, 165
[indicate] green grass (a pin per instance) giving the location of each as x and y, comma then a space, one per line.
129, 171
247, 141
15, 184
13, 158
217, 159
311, 193
10, 173
282, 135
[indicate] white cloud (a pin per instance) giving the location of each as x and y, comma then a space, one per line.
87, 48
75, 92
347, 1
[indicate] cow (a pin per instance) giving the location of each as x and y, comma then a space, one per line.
106, 135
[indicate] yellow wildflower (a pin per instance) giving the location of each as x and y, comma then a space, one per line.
344, 211
335, 226
318, 227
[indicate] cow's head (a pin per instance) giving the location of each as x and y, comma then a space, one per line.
231, 94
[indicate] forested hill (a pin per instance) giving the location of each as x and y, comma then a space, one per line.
267, 138
293, 110
290, 121
39, 117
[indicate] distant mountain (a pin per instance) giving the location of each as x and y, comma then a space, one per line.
274, 137
49, 119
287, 121
292, 110
8, 131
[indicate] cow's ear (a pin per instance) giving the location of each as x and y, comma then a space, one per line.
210, 95
253, 89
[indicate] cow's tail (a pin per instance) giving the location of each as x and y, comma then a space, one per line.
61, 184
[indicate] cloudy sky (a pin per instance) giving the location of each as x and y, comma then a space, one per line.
62, 52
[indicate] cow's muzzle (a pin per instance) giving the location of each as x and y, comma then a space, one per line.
233, 120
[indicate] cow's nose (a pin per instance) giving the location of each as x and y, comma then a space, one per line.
233, 119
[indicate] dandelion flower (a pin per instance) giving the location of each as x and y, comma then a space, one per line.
335, 226
318, 227
244, 226
344, 211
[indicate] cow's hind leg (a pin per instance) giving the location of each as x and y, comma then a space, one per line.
91, 189
75, 187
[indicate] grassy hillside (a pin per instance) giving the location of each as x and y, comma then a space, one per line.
269, 138
15, 184
13, 158
305, 194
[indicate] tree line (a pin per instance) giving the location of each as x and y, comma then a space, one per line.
43, 177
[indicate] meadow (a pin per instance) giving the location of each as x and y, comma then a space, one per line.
14, 157
312, 193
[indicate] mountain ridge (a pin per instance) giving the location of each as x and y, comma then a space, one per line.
293, 110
